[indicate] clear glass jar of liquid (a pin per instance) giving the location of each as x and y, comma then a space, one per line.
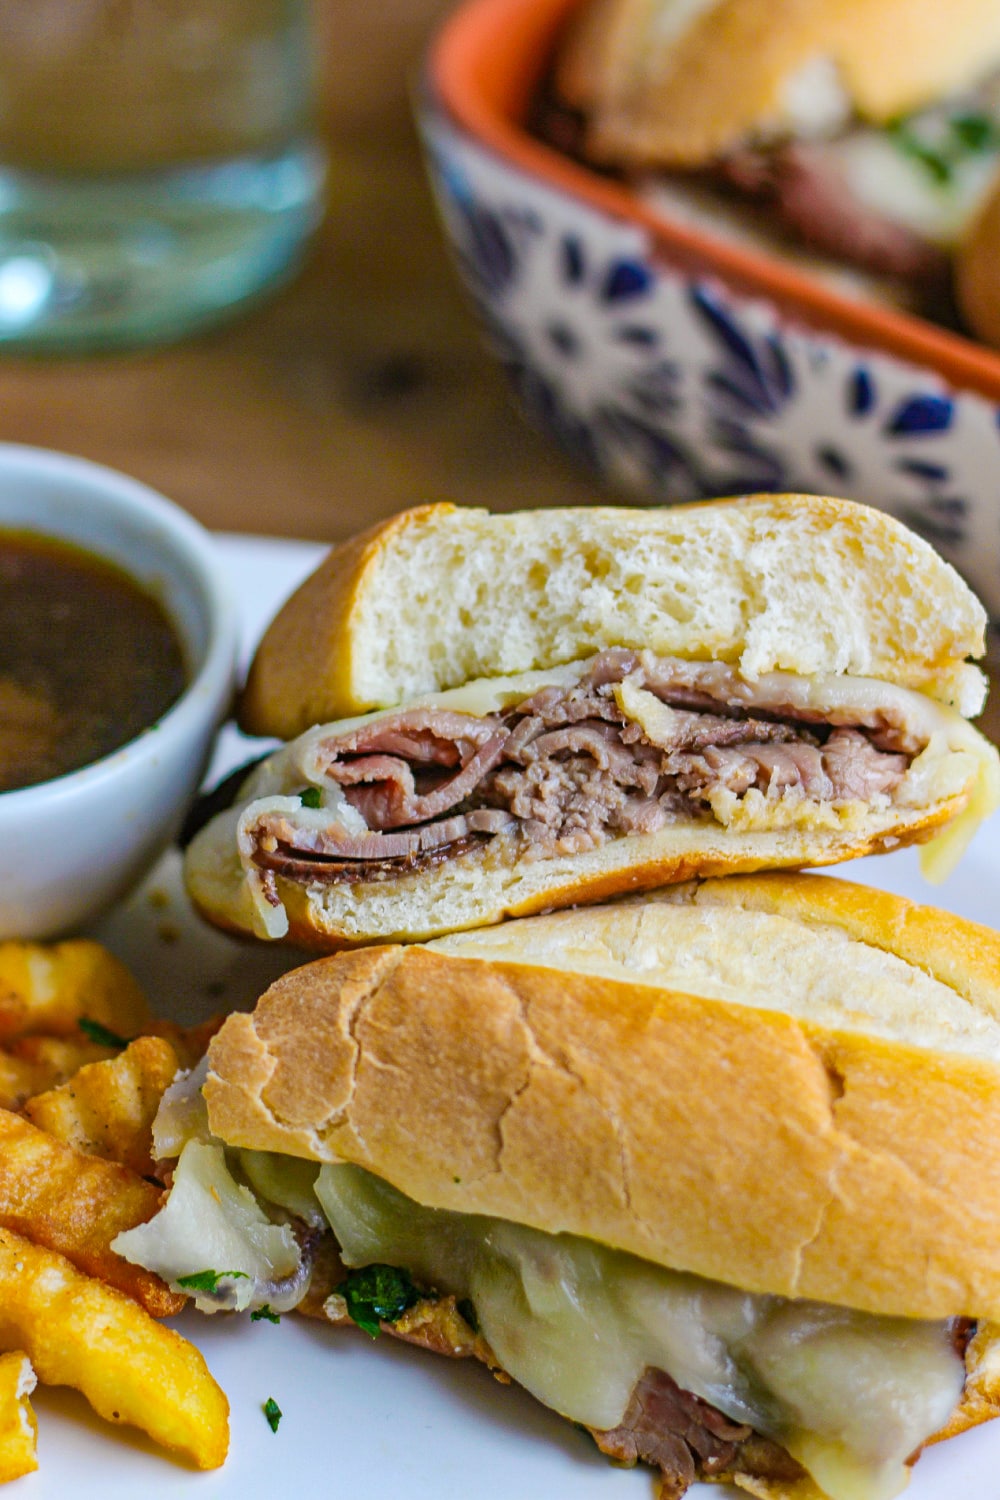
159, 164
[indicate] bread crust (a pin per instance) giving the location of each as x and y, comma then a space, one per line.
683, 98
745, 1145
802, 578
976, 272
310, 924
305, 661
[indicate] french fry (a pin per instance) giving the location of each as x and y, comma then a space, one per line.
107, 1108
31, 1064
75, 1205
80, 1333
62, 1056
20, 1078
18, 1428
49, 987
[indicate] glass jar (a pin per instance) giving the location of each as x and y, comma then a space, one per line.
159, 163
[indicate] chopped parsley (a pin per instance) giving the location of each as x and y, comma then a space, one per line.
976, 132
377, 1294
94, 1031
272, 1412
207, 1281
311, 797
962, 136
265, 1312
935, 162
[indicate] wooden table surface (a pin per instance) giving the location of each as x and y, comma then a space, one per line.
359, 389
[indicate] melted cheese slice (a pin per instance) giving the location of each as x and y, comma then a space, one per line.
850, 1395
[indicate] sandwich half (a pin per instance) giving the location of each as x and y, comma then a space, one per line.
545, 708
714, 1172
683, 82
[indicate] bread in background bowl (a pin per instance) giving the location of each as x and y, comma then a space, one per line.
679, 363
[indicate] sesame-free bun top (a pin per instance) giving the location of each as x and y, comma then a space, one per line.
977, 285
440, 595
786, 1083
679, 82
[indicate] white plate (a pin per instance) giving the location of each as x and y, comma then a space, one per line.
368, 1420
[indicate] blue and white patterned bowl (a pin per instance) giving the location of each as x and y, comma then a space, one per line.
677, 367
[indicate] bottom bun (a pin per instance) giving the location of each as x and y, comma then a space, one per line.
489, 884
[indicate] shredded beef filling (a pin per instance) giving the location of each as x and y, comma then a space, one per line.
687, 1439
568, 769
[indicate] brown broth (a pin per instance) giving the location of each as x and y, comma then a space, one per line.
87, 659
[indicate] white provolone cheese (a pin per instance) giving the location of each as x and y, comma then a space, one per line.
212, 1224
850, 1395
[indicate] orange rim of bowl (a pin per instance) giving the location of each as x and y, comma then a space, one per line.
483, 68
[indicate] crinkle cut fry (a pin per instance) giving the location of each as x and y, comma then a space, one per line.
75, 1205
48, 988
78, 1332
18, 1428
30, 1064
20, 1077
107, 1108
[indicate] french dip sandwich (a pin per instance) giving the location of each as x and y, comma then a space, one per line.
868, 130
544, 708
713, 1172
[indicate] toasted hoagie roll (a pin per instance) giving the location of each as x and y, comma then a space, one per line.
714, 1172
866, 133
977, 283
572, 704
680, 83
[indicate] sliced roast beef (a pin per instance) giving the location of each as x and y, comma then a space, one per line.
376, 765
687, 1439
335, 843
568, 768
807, 190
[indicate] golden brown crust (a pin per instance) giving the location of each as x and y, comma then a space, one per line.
976, 281
839, 1166
684, 103
656, 96
304, 662
981, 1396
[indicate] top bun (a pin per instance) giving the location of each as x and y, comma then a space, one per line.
976, 262
438, 596
678, 83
